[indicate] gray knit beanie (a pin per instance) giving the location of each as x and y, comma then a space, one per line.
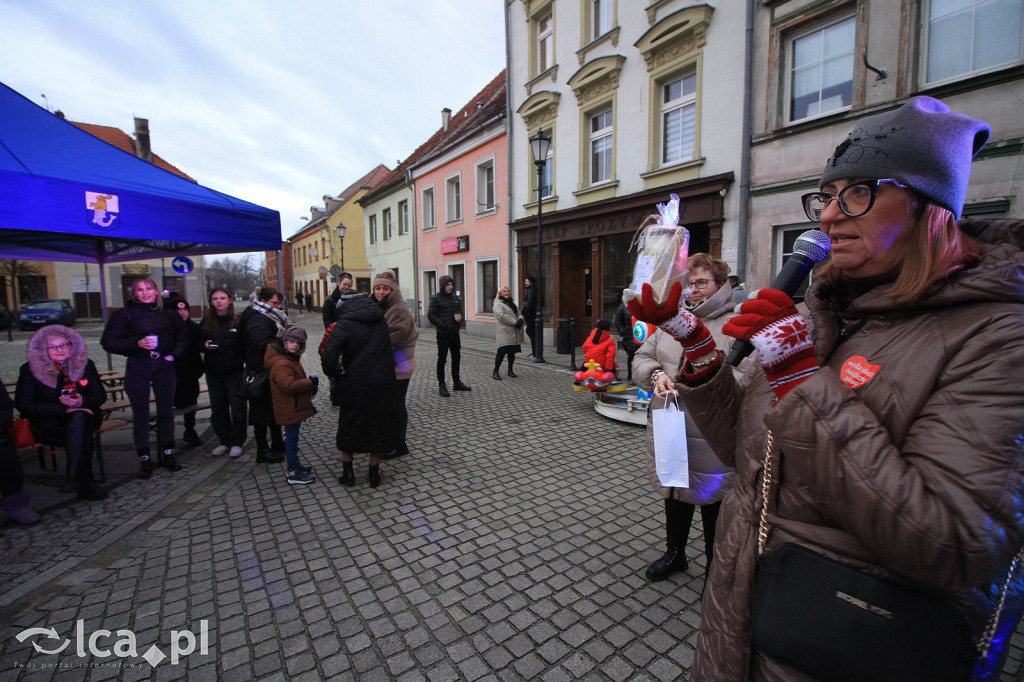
922, 144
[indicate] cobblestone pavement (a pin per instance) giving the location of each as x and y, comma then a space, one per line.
509, 545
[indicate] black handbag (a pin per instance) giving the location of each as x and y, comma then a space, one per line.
253, 383
838, 624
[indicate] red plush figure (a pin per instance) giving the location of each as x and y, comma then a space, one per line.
600, 347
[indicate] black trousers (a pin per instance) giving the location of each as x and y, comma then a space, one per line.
227, 407
403, 389
679, 517
77, 441
449, 343
11, 476
531, 327
140, 374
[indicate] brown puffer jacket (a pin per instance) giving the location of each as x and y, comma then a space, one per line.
914, 475
291, 391
710, 479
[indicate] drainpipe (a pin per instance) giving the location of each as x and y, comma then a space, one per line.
513, 262
744, 212
415, 246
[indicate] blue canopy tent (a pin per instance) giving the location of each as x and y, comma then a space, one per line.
68, 196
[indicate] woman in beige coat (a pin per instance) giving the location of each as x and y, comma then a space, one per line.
404, 333
654, 368
508, 331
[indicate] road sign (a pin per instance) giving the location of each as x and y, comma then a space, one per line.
182, 265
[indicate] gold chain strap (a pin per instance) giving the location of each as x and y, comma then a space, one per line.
766, 484
990, 630
987, 636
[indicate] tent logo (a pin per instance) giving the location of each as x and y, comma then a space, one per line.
101, 210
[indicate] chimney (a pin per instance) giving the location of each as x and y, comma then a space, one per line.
446, 117
142, 148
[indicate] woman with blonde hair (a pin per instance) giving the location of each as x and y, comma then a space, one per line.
151, 337
508, 331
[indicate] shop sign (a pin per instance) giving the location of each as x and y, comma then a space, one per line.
455, 244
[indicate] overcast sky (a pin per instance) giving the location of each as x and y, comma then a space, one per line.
275, 102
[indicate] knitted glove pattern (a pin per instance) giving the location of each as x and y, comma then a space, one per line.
674, 319
771, 323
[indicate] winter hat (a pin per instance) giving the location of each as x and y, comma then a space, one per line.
176, 302
602, 325
293, 332
923, 145
387, 278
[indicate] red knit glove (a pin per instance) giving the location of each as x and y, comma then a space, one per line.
674, 319
770, 322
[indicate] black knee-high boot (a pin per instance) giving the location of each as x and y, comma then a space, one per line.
511, 360
497, 365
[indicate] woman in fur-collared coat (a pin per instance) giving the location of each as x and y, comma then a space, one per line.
60, 393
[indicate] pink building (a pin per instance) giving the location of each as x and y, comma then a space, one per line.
461, 187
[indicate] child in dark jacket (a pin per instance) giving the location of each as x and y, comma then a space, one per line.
292, 394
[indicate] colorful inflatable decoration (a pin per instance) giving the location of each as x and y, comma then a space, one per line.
641, 331
594, 378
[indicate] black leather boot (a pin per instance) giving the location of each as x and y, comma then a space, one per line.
442, 390
145, 464
673, 560
374, 475
348, 477
167, 457
191, 437
496, 376
459, 386
511, 359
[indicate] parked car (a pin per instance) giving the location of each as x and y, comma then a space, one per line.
40, 312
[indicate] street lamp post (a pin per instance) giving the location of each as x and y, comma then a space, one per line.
340, 229
540, 145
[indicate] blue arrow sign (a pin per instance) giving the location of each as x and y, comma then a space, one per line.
182, 265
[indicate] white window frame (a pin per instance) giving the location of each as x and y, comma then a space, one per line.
429, 208
403, 218
601, 12
821, 64
781, 253
545, 45
601, 136
373, 229
453, 199
971, 34
485, 303
486, 199
385, 223
685, 101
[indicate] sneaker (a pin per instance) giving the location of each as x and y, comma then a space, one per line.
296, 477
236, 451
220, 450
305, 468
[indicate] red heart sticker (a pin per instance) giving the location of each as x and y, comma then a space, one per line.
857, 371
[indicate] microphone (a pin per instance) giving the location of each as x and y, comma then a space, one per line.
810, 248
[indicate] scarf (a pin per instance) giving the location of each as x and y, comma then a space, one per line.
511, 304
278, 317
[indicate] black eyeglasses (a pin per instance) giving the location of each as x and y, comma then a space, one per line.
700, 284
855, 199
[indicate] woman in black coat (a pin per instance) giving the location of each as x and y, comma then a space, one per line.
151, 336
260, 324
358, 357
60, 393
225, 365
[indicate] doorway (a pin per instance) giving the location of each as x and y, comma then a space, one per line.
576, 287
458, 274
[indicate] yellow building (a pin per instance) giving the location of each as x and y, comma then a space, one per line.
332, 242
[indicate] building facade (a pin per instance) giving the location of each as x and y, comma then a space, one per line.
462, 216
819, 66
641, 100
